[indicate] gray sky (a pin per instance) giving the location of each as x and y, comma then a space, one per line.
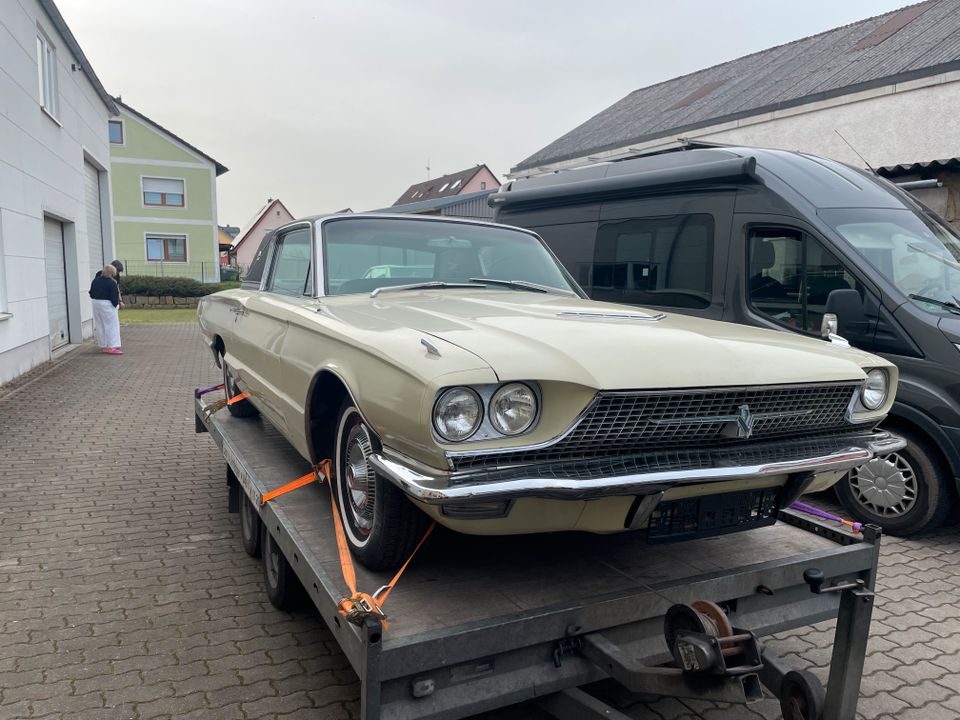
339, 104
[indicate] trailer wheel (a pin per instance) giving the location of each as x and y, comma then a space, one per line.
241, 409
801, 696
381, 525
250, 527
283, 588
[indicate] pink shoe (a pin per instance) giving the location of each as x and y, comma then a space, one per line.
113, 351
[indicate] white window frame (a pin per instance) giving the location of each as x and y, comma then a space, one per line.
145, 206
123, 141
167, 236
49, 92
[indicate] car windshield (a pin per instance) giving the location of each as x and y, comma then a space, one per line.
364, 254
917, 253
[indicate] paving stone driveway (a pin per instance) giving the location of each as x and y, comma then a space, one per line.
124, 592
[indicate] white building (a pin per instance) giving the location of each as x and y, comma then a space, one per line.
889, 85
55, 228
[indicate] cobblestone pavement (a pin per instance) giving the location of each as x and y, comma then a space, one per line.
124, 592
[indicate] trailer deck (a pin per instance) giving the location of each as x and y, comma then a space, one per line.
478, 623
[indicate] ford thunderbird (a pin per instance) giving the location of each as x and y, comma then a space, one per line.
475, 384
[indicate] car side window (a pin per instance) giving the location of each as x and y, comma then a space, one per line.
254, 273
791, 277
290, 270
665, 261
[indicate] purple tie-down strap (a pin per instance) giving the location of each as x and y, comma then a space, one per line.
811, 510
200, 392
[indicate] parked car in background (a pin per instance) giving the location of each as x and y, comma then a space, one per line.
786, 241
489, 394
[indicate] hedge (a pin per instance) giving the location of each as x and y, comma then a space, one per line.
174, 286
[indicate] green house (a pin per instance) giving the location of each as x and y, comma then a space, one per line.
164, 200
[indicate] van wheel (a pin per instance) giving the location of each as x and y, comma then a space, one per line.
903, 492
381, 525
241, 409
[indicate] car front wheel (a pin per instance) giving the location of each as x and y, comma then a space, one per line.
903, 492
381, 525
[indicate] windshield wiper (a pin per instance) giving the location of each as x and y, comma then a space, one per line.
421, 286
946, 304
949, 262
523, 285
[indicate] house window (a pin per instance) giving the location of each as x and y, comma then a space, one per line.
163, 192
166, 248
116, 132
47, 75
483, 184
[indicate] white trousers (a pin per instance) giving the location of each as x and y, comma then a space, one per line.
106, 324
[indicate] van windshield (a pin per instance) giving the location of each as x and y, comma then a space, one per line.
917, 253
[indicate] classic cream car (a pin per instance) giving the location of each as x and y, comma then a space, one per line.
489, 394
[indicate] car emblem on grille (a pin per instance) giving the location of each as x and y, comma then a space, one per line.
739, 426
745, 420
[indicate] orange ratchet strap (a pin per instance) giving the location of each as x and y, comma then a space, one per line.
238, 398
298, 483
360, 604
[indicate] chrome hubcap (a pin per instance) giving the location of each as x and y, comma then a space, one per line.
359, 477
886, 486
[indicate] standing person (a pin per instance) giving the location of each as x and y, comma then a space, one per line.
105, 296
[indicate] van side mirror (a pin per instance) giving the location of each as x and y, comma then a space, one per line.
846, 307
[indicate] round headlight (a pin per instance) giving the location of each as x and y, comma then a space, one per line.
874, 393
513, 408
457, 414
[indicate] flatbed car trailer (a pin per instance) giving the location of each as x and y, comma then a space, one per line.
477, 623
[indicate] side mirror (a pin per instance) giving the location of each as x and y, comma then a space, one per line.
844, 314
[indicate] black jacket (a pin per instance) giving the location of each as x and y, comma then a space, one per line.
105, 288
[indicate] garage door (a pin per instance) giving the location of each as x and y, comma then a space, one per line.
94, 224
56, 283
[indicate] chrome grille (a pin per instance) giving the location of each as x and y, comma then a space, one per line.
630, 423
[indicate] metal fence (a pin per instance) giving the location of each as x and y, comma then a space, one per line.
204, 271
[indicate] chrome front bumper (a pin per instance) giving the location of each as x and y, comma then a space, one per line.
634, 476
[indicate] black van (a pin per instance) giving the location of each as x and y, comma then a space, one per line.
789, 241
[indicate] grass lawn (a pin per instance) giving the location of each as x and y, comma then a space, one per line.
175, 315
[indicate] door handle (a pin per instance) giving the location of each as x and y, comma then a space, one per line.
238, 310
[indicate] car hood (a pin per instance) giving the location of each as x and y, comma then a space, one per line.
547, 337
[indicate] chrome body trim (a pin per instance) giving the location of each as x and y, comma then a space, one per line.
613, 316
440, 487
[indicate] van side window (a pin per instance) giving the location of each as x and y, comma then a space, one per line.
653, 261
791, 276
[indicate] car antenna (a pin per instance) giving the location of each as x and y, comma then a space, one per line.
855, 152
